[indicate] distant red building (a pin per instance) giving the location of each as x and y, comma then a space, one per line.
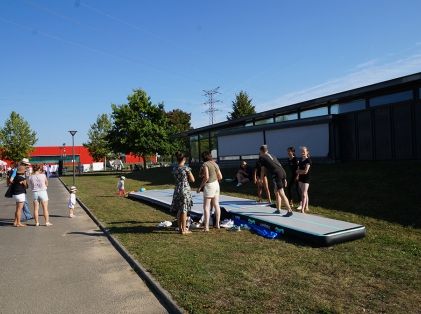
52, 154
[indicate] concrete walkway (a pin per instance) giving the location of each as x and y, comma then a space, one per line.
70, 267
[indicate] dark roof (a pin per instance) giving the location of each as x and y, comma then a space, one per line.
352, 94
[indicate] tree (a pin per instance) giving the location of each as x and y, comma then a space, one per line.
241, 107
17, 138
140, 127
179, 122
98, 145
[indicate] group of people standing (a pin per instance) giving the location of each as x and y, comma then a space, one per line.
267, 166
19, 180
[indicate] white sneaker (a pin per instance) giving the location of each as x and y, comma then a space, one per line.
37, 224
48, 224
239, 184
71, 215
299, 207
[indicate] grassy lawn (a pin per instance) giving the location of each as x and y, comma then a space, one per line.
240, 272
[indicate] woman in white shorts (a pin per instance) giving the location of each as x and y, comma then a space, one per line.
38, 183
19, 186
211, 175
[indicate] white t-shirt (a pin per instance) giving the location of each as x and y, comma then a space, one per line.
37, 182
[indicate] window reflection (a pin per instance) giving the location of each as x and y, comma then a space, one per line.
314, 112
348, 107
391, 98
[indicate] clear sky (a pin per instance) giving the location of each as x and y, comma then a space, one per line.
64, 62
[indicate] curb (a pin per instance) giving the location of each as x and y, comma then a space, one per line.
162, 295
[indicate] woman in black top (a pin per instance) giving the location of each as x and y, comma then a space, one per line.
279, 178
292, 186
304, 178
19, 186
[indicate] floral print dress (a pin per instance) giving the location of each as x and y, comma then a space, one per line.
182, 199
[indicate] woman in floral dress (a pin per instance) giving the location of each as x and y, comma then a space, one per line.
182, 200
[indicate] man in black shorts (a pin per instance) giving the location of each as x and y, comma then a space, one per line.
278, 176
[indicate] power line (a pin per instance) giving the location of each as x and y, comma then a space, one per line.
211, 102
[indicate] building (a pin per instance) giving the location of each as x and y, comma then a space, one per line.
376, 122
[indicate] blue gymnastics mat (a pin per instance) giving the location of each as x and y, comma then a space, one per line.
316, 229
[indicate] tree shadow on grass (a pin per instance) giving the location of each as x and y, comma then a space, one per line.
141, 229
133, 222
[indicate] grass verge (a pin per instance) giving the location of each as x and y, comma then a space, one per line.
223, 272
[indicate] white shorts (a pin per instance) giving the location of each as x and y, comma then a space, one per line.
41, 196
211, 190
20, 198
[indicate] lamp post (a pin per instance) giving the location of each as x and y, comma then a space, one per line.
73, 152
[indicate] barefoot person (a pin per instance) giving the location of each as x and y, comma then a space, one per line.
273, 166
304, 177
210, 184
261, 180
292, 187
38, 182
182, 200
19, 186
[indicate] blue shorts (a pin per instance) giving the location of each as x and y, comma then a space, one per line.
40, 196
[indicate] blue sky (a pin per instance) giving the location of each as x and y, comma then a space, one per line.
62, 63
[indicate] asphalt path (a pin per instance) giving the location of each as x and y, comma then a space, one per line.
70, 267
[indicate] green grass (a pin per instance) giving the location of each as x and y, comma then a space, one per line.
224, 272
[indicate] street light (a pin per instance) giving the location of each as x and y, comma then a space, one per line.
73, 151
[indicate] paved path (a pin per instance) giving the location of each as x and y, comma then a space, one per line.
68, 268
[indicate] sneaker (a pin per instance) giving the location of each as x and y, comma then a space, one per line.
277, 211
48, 224
299, 207
288, 214
37, 224
71, 215
239, 184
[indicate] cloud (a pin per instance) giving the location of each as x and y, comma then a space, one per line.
364, 74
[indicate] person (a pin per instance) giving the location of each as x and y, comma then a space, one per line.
261, 180
210, 185
72, 201
38, 182
293, 186
278, 176
303, 173
120, 186
182, 201
26, 213
19, 186
242, 175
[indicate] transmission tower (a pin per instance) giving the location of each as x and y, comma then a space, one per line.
210, 94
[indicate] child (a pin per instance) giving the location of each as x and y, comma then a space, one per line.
304, 178
72, 201
293, 186
120, 186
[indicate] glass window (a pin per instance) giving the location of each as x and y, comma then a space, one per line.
204, 142
263, 121
286, 117
314, 112
247, 157
348, 106
249, 123
391, 98
214, 144
419, 93
230, 158
194, 148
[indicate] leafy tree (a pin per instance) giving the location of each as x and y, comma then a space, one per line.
140, 127
179, 122
241, 107
98, 145
17, 138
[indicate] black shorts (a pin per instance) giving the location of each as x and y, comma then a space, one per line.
278, 182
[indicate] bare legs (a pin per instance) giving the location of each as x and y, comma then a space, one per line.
45, 211
182, 222
266, 187
207, 205
304, 196
280, 196
18, 213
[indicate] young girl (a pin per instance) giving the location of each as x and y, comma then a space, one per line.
182, 201
261, 183
72, 201
292, 186
19, 186
120, 186
303, 173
